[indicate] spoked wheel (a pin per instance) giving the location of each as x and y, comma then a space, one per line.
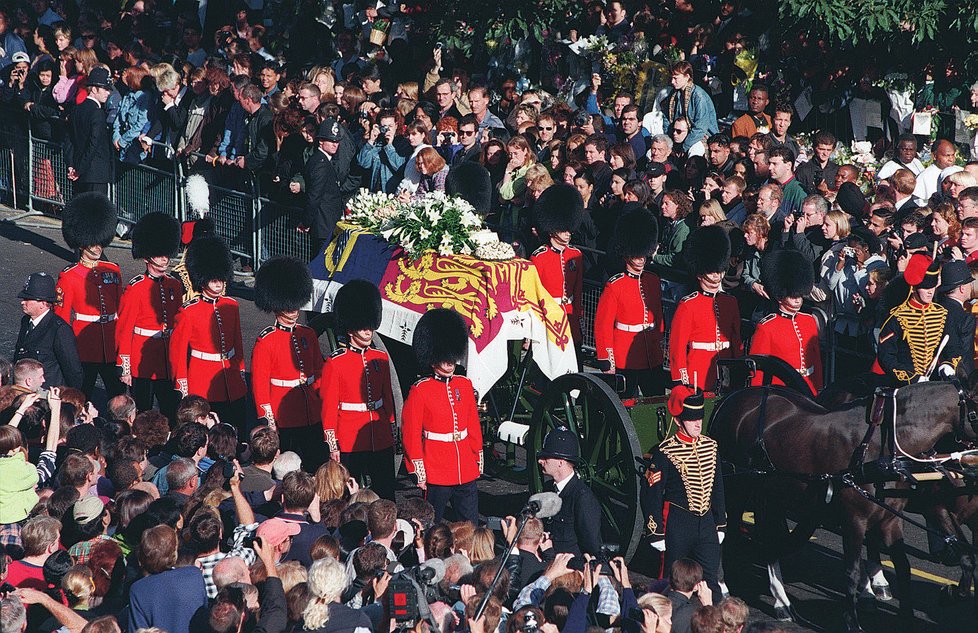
592, 411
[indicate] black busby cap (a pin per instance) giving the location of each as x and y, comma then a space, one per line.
709, 250
471, 181
357, 306
636, 233
155, 235
208, 258
89, 219
786, 273
693, 407
560, 443
560, 208
282, 284
441, 336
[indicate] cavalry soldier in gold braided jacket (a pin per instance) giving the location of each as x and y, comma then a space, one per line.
684, 471
911, 336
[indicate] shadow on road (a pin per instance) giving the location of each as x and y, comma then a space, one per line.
11, 231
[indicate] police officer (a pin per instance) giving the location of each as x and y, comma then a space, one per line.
788, 333
559, 213
706, 326
206, 349
576, 529
440, 422
953, 292
286, 363
147, 313
912, 334
628, 324
358, 404
684, 471
44, 336
89, 291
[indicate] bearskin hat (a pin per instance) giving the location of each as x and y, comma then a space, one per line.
441, 336
708, 250
89, 219
208, 258
357, 307
471, 182
155, 235
786, 273
636, 233
560, 208
282, 284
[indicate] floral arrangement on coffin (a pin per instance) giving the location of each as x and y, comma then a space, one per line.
495, 251
436, 222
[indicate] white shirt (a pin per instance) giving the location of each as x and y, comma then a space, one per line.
563, 483
37, 319
927, 182
890, 167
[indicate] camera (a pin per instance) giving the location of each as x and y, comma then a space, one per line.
384, 130
581, 119
447, 138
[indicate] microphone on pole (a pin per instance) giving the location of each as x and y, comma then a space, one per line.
543, 505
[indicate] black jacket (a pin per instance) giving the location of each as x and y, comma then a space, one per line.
172, 121
53, 344
325, 200
807, 173
88, 146
961, 326
259, 138
577, 527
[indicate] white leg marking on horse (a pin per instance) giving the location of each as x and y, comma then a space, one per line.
777, 585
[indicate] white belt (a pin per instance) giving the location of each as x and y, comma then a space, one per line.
212, 357
807, 372
362, 406
95, 318
298, 382
151, 333
640, 327
447, 437
710, 347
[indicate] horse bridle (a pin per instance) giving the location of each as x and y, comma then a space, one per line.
966, 413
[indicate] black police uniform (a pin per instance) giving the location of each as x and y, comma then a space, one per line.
685, 473
577, 527
51, 341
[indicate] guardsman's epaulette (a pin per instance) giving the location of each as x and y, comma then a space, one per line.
266, 332
421, 380
691, 295
616, 278
110, 264
69, 267
339, 352
192, 302
542, 249
228, 297
767, 318
135, 280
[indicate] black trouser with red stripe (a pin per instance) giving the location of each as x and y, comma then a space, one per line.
694, 537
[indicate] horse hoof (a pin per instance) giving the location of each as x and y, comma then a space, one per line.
783, 614
882, 592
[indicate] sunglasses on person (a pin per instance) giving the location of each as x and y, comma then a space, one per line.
466, 132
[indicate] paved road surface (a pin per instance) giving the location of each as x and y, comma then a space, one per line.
813, 576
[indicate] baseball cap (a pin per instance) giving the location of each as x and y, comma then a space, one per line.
87, 509
915, 240
655, 170
20, 57
274, 531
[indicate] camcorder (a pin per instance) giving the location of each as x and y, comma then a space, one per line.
411, 590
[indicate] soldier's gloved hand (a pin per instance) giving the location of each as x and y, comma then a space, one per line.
945, 371
604, 365
659, 545
721, 535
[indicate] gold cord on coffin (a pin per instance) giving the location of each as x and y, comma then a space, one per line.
697, 464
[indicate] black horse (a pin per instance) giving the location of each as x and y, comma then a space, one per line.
793, 440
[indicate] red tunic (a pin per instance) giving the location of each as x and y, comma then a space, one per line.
206, 349
358, 405
286, 365
147, 314
441, 432
705, 328
88, 299
794, 339
628, 326
562, 274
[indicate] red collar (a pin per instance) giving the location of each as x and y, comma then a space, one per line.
917, 305
688, 439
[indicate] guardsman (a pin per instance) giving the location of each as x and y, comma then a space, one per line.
286, 363
89, 291
628, 324
684, 471
788, 333
559, 213
358, 404
147, 314
953, 293
913, 333
198, 199
706, 326
206, 349
440, 422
